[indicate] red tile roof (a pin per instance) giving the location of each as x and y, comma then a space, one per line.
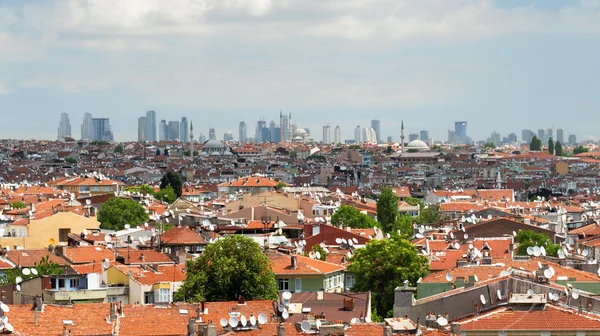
27, 258
150, 276
182, 236
133, 256
87, 254
282, 264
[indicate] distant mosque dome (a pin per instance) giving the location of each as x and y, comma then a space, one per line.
418, 145
300, 133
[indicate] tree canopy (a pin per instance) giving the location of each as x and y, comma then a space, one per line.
387, 209
536, 144
551, 146
18, 205
347, 215
117, 212
383, 265
580, 149
558, 149
44, 267
228, 268
166, 194
489, 145
322, 253
172, 179
527, 238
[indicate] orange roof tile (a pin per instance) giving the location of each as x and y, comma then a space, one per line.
282, 264
87, 254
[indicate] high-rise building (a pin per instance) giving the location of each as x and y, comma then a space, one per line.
390, 139
512, 138
526, 136
572, 139
101, 130
228, 136
202, 138
495, 138
64, 127
424, 136
151, 126
357, 134
260, 125
326, 134
286, 127
413, 136
376, 126
212, 134
163, 130
87, 127
141, 128
337, 135
369, 135
243, 130
184, 130
460, 130
173, 131
560, 135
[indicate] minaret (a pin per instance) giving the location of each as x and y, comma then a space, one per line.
402, 136
290, 132
192, 141
281, 126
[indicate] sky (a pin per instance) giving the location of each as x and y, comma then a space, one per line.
502, 65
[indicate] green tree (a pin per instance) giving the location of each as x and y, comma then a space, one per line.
536, 144
166, 195
293, 154
172, 178
44, 267
558, 150
429, 214
383, 265
404, 223
280, 185
119, 149
117, 212
387, 209
18, 205
166, 152
489, 145
347, 215
157, 153
413, 201
318, 248
144, 189
230, 267
527, 238
71, 160
551, 146
580, 149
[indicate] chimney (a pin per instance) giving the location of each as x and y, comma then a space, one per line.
39, 304
113, 312
455, 328
320, 295
387, 331
294, 263
142, 257
191, 327
35, 317
281, 330
211, 330
65, 332
348, 228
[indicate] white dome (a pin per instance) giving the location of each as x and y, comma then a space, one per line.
300, 132
418, 145
213, 144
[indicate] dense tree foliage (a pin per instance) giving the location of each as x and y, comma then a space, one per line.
536, 144
117, 212
322, 253
166, 195
580, 149
174, 180
387, 209
44, 267
558, 149
527, 238
18, 205
280, 185
489, 145
231, 267
382, 266
551, 146
350, 216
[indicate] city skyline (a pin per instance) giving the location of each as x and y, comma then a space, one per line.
510, 61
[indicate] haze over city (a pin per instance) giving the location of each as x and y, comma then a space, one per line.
502, 66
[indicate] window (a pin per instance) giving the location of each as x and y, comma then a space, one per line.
163, 295
283, 284
63, 234
336, 280
111, 299
74, 283
148, 298
349, 281
61, 283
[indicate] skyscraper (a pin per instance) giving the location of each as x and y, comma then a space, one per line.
413, 136
184, 130
101, 130
357, 134
173, 130
376, 126
228, 136
337, 135
326, 134
151, 126
526, 136
560, 135
512, 138
572, 139
285, 128
141, 128
87, 127
64, 127
424, 136
259, 130
243, 130
163, 132
460, 130
212, 134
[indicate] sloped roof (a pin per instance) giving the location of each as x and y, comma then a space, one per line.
282, 264
27, 258
182, 236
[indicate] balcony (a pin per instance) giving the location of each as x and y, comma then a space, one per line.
76, 295
117, 290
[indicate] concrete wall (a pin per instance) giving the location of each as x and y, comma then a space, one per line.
39, 232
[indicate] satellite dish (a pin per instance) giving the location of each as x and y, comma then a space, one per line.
18, 280
286, 295
5, 308
482, 299
106, 264
252, 320
50, 241
224, 322
598, 272
499, 293
26, 271
355, 240
318, 324
18, 288
442, 321
449, 277
9, 327
318, 255
419, 236
489, 217
585, 253
34, 271
543, 250
548, 273
350, 242
107, 238
233, 321
305, 326
530, 291
338, 240
530, 250
470, 246
285, 315
451, 235
574, 295
475, 278
286, 303
514, 234
540, 265
262, 318
281, 308
536, 251
561, 255
457, 246
127, 226
466, 236
244, 321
